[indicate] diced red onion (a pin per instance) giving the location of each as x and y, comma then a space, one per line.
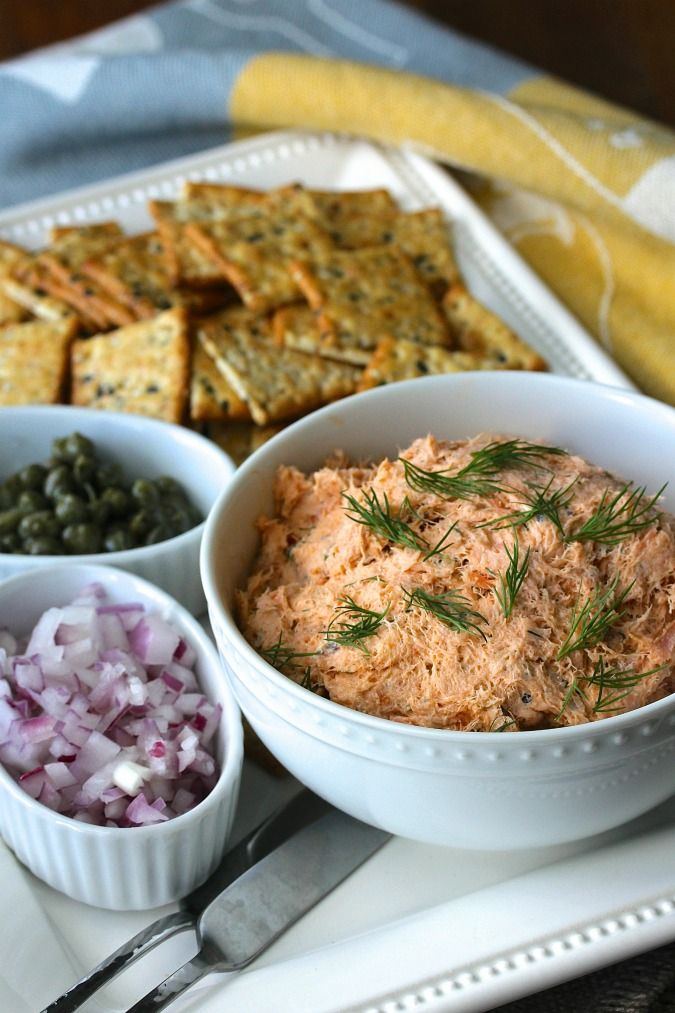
101, 715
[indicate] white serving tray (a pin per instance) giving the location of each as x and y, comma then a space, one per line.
418, 927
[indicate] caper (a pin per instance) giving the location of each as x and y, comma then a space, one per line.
40, 524
9, 520
117, 499
32, 476
81, 539
10, 542
141, 522
109, 474
11, 491
177, 518
58, 481
70, 509
30, 501
44, 546
159, 533
145, 492
84, 468
7, 497
169, 486
68, 448
100, 512
117, 540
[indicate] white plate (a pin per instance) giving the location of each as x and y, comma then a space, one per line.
418, 927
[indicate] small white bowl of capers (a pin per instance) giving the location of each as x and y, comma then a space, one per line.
92, 486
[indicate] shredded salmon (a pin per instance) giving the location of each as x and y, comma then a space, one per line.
416, 669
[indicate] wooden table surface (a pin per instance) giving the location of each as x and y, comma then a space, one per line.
620, 49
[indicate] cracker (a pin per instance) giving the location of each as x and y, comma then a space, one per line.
11, 256
276, 383
141, 368
34, 361
37, 279
365, 295
11, 312
212, 398
64, 259
405, 360
478, 330
422, 236
334, 206
134, 272
254, 254
296, 326
29, 299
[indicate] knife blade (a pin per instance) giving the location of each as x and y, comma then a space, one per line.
300, 811
251, 913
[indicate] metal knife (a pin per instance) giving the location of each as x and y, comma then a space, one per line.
300, 811
266, 900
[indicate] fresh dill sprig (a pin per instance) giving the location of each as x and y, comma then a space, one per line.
441, 544
539, 501
511, 581
480, 476
391, 526
451, 607
591, 620
613, 684
280, 654
619, 516
354, 624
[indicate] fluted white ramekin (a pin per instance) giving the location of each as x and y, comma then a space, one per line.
482, 790
122, 868
144, 448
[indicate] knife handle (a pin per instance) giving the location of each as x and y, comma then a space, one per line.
136, 947
159, 997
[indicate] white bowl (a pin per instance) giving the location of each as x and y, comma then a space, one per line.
130, 868
483, 790
144, 448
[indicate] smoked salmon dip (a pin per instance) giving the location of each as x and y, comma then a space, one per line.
488, 584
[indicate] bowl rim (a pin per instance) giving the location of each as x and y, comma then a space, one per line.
141, 552
612, 724
206, 652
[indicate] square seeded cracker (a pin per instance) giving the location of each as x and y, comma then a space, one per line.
29, 300
34, 361
422, 236
406, 360
365, 295
57, 270
212, 398
142, 368
201, 202
476, 329
276, 383
254, 253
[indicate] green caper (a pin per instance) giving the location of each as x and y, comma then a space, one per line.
40, 524
10, 542
58, 481
7, 497
141, 522
100, 512
81, 539
117, 499
159, 533
44, 546
84, 468
9, 521
145, 492
32, 476
169, 486
68, 448
70, 509
109, 474
117, 540
30, 501
177, 518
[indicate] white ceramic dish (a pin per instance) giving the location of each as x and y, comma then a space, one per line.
465, 790
121, 868
434, 943
144, 448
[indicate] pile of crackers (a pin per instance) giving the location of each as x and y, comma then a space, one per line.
242, 309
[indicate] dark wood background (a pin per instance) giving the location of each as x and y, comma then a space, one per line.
622, 50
